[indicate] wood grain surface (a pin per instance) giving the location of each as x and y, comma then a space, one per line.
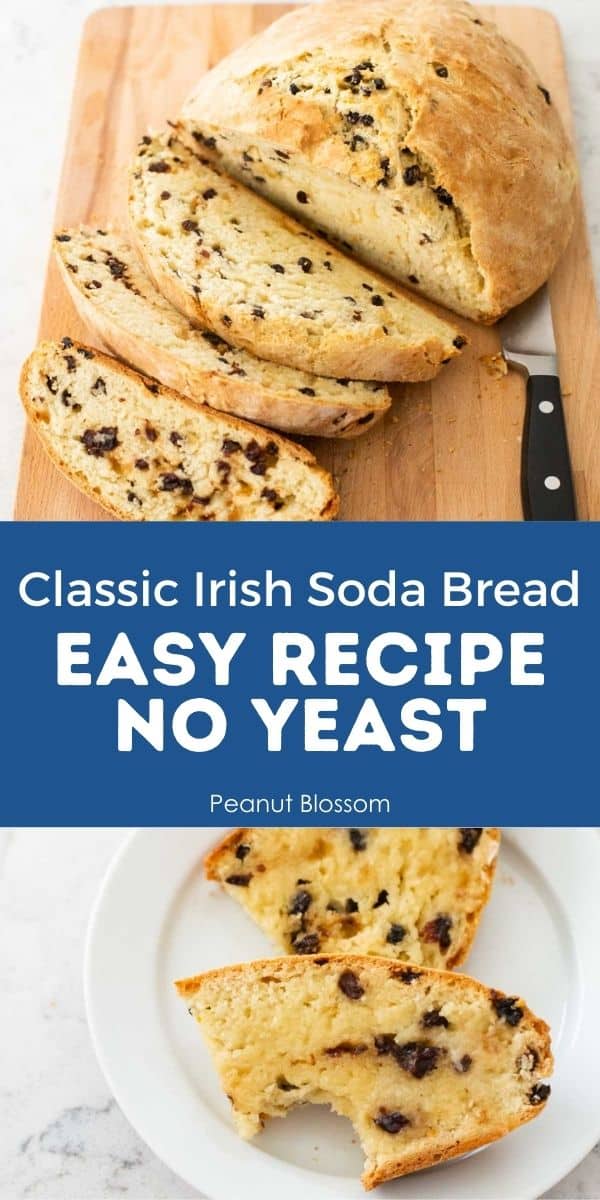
449, 450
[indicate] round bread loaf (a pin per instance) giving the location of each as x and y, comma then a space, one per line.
411, 132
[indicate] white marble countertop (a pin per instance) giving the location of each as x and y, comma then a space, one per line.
62, 1136
38, 64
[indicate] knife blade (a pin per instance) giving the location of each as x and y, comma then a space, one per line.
529, 345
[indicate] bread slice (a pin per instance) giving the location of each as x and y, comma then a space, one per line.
414, 133
427, 1065
232, 262
146, 453
412, 894
117, 299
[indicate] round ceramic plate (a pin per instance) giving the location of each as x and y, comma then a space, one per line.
156, 919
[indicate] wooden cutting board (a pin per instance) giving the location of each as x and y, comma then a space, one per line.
449, 450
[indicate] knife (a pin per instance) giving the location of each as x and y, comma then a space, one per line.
528, 344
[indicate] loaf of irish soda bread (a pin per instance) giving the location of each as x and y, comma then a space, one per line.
409, 130
232, 262
146, 453
427, 1065
117, 299
412, 894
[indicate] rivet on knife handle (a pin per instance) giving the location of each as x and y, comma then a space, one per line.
546, 479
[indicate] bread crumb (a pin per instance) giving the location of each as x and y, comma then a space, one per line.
495, 365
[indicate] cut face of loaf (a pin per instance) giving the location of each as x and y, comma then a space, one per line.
118, 300
412, 133
232, 262
146, 453
416, 895
427, 1065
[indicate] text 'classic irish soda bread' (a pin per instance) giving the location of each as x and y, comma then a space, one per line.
412, 132
148, 454
427, 1065
231, 261
412, 894
118, 300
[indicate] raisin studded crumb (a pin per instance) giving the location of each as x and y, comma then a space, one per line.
284, 1084
507, 1009
350, 985
300, 903
469, 839
390, 1122
98, 442
438, 930
396, 934
308, 943
343, 1048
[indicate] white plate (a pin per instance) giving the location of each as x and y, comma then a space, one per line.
157, 920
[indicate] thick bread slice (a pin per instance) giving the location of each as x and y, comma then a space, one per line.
117, 299
146, 453
413, 894
231, 261
415, 134
427, 1065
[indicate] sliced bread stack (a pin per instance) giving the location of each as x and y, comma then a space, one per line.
426, 1064
240, 309
288, 313
118, 301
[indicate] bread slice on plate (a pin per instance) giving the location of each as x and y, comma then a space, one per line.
118, 301
146, 453
414, 133
426, 1064
233, 263
411, 894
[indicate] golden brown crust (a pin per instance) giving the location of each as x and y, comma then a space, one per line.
417, 1162
328, 512
215, 857
488, 131
276, 408
474, 919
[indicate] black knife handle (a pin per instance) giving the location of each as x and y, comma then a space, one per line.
546, 479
